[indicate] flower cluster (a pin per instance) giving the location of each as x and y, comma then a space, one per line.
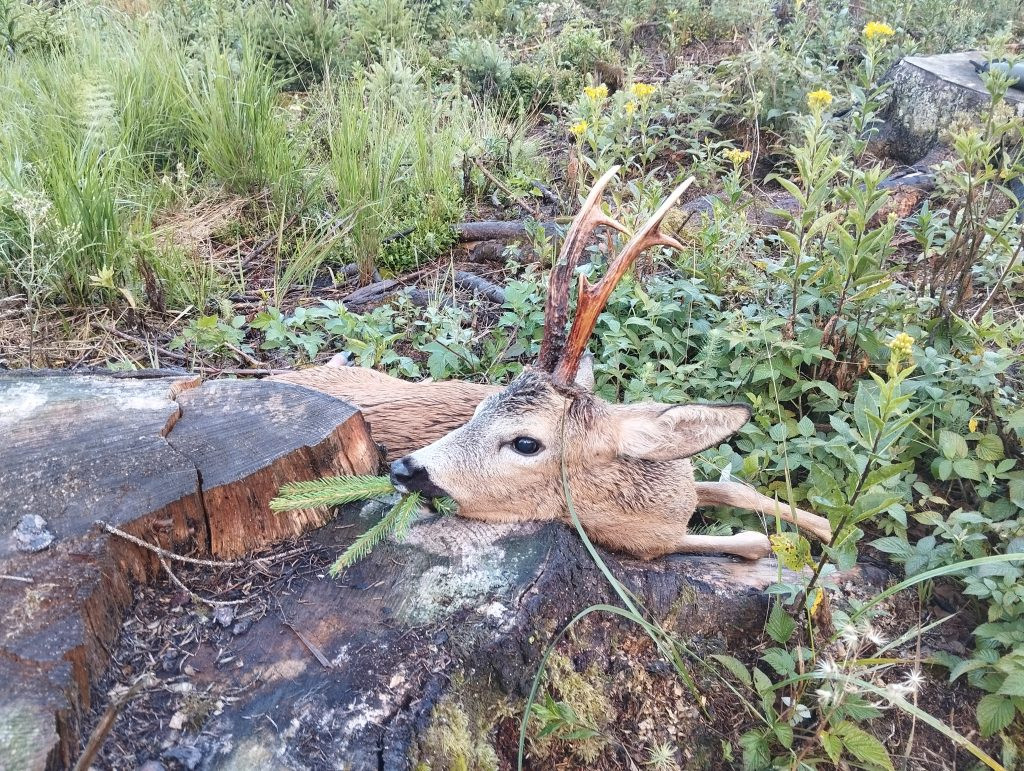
819, 100
878, 30
642, 90
736, 157
579, 128
596, 93
902, 345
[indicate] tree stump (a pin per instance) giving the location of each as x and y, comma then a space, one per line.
173, 462
927, 95
422, 653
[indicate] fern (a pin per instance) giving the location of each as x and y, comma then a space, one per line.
396, 522
330, 491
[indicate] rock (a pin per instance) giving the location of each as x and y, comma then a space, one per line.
31, 534
224, 615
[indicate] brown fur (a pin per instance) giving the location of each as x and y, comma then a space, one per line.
403, 416
629, 475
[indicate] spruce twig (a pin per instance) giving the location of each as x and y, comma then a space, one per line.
334, 491
330, 491
396, 522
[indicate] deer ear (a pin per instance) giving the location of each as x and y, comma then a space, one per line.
585, 373
662, 432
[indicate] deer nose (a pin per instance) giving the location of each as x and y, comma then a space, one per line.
405, 473
408, 476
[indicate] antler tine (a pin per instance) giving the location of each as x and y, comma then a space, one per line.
593, 297
556, 307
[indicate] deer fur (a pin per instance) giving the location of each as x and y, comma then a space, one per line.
628, 468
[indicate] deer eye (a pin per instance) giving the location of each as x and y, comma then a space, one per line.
525, 445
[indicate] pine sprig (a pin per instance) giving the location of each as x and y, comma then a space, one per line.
396, 522
330, 491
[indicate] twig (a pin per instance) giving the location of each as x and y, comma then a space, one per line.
164, 553
241, 371
244, 355
102, 729
17, 578
324, 661
505, 189
197, 598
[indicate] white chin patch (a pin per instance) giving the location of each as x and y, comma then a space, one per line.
401, 488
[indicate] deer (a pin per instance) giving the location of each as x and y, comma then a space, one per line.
525, 451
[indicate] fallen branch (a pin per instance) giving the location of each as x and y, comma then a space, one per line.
500, 230
195, 597
474, 283
310, 646
99, 734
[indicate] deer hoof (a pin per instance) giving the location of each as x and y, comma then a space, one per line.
343, 359
751, 545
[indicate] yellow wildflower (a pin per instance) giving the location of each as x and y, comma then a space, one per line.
878, 30
972, 425
596, 93
819, 100
579, 128
818, 597
902, 345
642, 90
629, 107
737, 157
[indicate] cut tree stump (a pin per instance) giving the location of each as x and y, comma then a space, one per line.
928, 94
424, 651
188, 466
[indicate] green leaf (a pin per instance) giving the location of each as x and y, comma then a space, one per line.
990, 448
863, 746
1013, 685
396, 522
735, 667
780, 624
762, 683
756, 753
780, 660
832, 746
995, 712
952, 446
785, 733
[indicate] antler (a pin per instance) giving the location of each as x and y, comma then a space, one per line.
593, 297
556, 307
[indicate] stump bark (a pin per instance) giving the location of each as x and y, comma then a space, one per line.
927, 95
186, 466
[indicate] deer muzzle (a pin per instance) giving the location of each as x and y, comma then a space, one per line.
408, 476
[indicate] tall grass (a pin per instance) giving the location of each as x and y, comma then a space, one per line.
236, 124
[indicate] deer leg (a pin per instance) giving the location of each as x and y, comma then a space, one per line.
747, 544
743, 497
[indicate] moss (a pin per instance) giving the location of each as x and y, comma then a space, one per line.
585, 693
455, 741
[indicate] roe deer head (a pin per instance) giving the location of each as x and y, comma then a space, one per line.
627, 466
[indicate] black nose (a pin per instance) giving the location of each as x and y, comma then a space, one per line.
404, 471
409, 476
